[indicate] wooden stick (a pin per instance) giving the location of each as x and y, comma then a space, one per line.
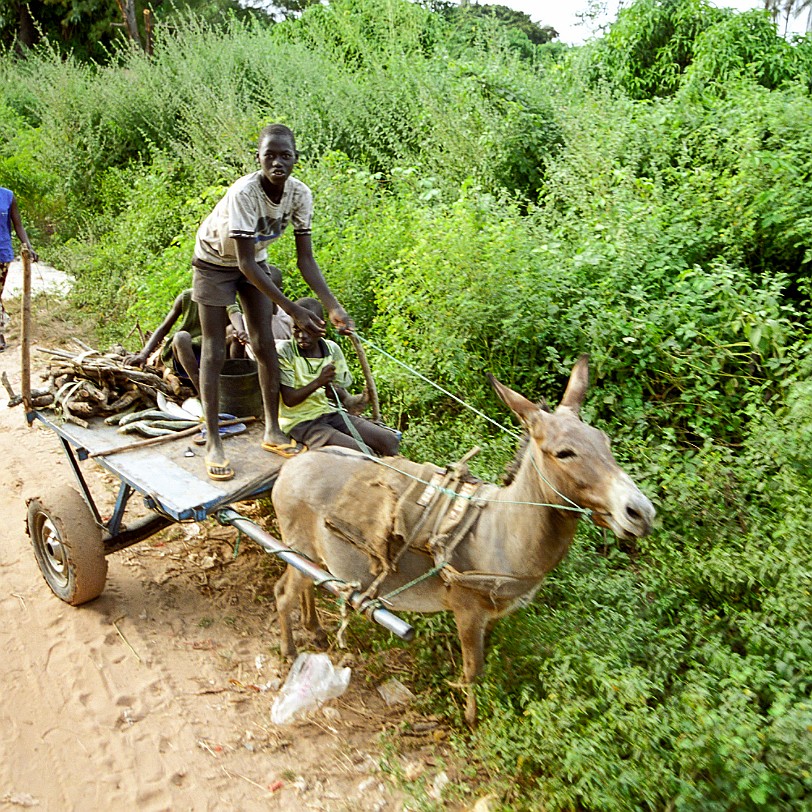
82, 344
148, 31
26, 333
115, 625
155, 440
12, 395
370, 381
57, 353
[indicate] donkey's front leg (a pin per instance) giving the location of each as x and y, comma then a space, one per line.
287, 591
471, 623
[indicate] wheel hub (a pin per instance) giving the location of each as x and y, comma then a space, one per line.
54, 551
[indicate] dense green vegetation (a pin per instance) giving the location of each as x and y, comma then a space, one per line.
488, 203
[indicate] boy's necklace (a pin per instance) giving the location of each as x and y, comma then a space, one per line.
312, 361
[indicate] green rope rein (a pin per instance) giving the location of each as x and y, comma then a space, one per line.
414, 582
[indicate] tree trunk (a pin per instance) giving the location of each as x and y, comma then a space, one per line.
28, 32
127, 8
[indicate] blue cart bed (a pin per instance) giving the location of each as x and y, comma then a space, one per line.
175, 488
172, 483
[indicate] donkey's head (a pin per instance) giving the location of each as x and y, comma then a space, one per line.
575, 460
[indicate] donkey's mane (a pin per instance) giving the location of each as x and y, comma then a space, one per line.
513, 466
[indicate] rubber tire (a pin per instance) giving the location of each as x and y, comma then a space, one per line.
70, 557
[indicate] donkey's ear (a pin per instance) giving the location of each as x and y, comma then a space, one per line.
577, 386
523, 408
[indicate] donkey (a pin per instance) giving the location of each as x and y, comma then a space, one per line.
523, 530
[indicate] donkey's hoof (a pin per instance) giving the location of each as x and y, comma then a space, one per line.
288, 652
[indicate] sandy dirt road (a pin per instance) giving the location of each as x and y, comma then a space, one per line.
157, 695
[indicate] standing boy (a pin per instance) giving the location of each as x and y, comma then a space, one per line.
230, 258
312, 371
9, 216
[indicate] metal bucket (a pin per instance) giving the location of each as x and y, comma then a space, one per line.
239, 388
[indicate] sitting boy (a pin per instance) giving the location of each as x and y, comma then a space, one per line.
311, 370
182, 353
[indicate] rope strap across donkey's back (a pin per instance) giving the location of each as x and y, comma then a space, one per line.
436, 512
433, 513
451, 506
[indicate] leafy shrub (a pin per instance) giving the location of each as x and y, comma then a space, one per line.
651, 44
743, 45
625, 685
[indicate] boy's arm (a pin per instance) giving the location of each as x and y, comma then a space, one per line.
238, 323
246, 259
293, 397
311, 273
140, 358
16, 220
354, 404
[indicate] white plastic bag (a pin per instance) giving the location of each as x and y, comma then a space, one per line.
311, 682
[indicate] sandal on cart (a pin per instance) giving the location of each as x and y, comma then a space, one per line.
287, 450
225, 431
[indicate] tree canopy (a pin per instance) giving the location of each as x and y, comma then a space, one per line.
88, 28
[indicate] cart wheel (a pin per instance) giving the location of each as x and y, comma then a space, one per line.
68, 545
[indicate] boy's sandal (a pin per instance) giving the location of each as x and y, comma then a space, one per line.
286, 450
225, 431
219, 471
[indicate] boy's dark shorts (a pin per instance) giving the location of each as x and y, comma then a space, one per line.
179, 369
328, 429
219, 288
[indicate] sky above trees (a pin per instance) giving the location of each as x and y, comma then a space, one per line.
577, 20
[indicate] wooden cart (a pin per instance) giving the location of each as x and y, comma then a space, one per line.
71, 539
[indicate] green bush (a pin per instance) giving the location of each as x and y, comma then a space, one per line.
649, 47
675, 673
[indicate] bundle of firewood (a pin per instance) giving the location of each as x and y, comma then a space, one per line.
91, 383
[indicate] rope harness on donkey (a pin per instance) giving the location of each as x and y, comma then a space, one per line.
437, 511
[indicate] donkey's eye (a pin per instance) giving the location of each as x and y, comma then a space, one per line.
564, 454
